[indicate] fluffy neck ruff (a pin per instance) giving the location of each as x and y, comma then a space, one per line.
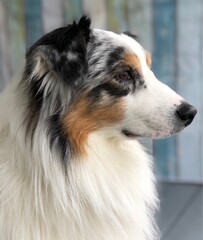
109, 195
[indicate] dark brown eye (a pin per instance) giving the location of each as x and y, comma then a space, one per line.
125, 75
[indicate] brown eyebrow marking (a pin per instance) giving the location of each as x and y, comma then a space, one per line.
148, 58
133, 61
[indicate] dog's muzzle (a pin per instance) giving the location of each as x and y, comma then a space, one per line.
186, 113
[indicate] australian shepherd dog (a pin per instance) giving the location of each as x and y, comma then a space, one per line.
71, 163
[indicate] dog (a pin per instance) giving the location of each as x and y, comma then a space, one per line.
71, 163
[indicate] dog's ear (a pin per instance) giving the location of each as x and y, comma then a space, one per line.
56, 66
132, 35
62, 52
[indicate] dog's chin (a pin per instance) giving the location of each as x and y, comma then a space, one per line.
152, 134
165, 133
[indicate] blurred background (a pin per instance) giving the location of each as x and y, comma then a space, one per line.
173, 31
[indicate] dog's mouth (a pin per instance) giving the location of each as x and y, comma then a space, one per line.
130, 134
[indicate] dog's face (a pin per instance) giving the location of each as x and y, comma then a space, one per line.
120, 68
92, 80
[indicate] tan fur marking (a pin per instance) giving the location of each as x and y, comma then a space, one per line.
133, 61
82, 120
148, 58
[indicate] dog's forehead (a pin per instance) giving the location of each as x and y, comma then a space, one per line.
112, 40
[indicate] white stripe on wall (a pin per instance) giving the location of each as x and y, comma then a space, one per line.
96, 9
52, 14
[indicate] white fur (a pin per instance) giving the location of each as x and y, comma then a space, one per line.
151, 111
109, 194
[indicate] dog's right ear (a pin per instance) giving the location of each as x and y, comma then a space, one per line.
61, 52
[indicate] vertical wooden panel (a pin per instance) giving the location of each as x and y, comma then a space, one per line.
140, 21
201, 109
13, 38
117, 15
52, 14
4, 69
72, 10
164, 68
33, 21
96, 9
190, 85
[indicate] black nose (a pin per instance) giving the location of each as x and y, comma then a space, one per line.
186, 112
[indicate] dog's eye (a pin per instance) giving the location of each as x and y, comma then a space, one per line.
124, 75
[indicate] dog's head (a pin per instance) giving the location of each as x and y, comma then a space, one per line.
81, 80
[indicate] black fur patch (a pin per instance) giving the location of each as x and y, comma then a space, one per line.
62, 37
57, 47
114, 57
111, 89
57, 137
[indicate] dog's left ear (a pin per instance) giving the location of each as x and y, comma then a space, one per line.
63, 52
132, 35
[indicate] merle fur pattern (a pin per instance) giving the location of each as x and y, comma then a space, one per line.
74, 59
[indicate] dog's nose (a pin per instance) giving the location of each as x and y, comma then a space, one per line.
186, 112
